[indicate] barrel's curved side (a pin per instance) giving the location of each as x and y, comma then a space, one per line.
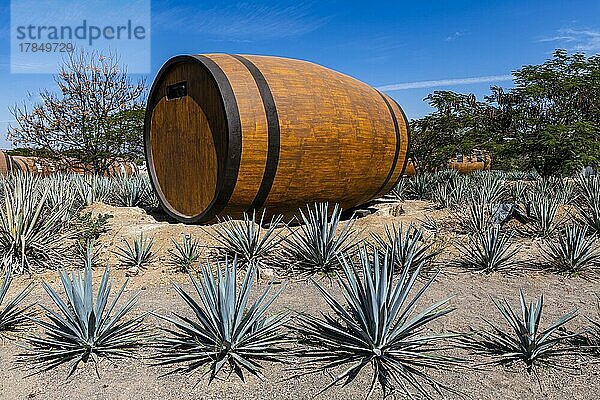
384, 186
21, 163
259, 129
337, 139
408, 142
310, 134
5, 163
402, 146
273, 133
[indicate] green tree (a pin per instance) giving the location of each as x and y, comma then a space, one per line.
550, 120
458, 125
94, 118
552, 115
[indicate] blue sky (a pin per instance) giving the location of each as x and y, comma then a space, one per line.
408, 48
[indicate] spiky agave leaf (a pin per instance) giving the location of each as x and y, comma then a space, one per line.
450, 190
185, 254
83, 328
487, 252
315, 246
13, 315
460, 191
87, 253
525, 341
441, 194
421, 186
593, 332
31, 232
475, 217
519, 191
408, 246
61, 193
376, 325
91, 188
589, 215
543, 213
489, 188
574, 252
227, 329
588, 203
246, 239
137, 255
399, 191
149, 196
129, 191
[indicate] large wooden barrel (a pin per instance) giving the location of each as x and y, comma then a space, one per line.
23, 164
478, 161
6, 163
410, 169
226, 134
122, 167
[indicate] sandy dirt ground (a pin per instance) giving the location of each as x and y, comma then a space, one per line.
139, 379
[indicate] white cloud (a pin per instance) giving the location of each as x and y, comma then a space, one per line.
446, 82
240, 21
576, 39
454, 36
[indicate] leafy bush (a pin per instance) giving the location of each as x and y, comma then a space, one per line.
83, 329
185, 254
376, 325
246, 240
574, 252
524, 341
487, 252
89, 227
13, 315
315, 246
227, 330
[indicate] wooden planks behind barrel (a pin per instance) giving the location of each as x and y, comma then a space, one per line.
6, 163
226, 134
23, 164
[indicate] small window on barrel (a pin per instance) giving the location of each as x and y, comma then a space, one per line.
177, 90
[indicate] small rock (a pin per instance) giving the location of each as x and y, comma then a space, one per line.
396, 210
266, 274
133, 271
362, 213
